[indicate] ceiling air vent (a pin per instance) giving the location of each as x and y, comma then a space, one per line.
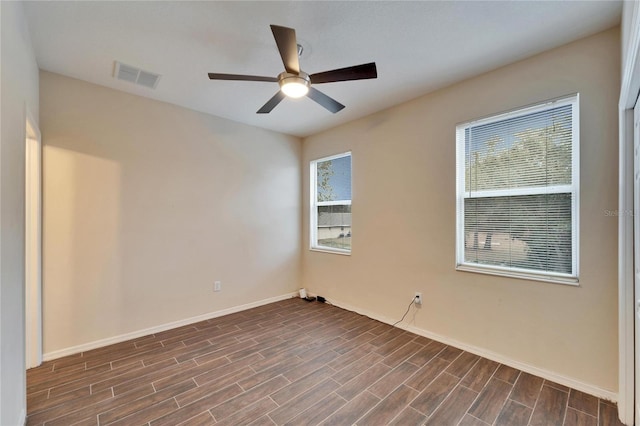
135, 75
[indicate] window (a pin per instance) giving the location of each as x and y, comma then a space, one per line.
331, 204
517, 193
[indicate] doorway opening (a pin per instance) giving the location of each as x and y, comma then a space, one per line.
33, 243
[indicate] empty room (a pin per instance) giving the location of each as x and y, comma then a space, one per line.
305, 213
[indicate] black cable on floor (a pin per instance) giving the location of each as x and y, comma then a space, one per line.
405, 314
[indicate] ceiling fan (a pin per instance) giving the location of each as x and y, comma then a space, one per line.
295, 83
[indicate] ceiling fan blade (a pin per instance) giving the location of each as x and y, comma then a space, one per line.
272, 103
324, 100
288, 47
357, 72
216, 76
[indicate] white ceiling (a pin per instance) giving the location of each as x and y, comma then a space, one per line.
418, 47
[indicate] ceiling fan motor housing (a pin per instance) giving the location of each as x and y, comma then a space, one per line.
294, 85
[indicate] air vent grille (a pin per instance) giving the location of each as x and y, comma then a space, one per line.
135, 75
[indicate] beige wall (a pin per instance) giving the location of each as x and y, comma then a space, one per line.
404, 219
629, 10
19, 93
146, 204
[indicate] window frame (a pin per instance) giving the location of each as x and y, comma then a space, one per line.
314, 204
573, 189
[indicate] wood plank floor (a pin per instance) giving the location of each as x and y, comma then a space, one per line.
297, 363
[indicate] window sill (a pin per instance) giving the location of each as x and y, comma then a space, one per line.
521, 275
331, 251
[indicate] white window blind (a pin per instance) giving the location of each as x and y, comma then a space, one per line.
517, 184
331, 203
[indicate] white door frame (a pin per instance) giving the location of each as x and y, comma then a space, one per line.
33, 243
636, 254
626, 302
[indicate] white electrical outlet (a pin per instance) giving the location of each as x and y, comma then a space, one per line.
217, 285
418, 298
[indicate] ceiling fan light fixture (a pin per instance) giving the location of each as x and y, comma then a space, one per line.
293, 82
294, 86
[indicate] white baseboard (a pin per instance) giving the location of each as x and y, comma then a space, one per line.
536, 371
157, 329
